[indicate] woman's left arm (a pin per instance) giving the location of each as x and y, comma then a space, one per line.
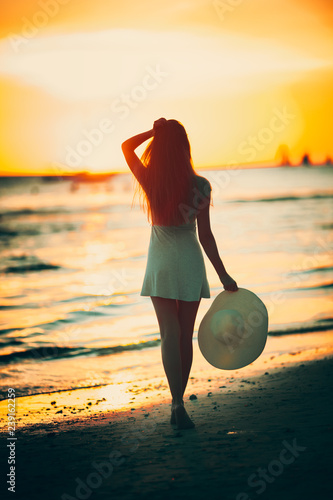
133, 161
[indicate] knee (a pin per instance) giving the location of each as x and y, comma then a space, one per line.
170, 332
186, 334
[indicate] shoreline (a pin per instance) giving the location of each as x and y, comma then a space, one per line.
131, 389
279, 423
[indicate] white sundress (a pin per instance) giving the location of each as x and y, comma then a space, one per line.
175, 265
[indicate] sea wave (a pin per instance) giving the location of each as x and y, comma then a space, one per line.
48, 352
35, 211
320, 325
319, 286
25, 263
58, 210
51, 352
313, 196
314, 270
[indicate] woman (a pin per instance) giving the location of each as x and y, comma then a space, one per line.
175, 279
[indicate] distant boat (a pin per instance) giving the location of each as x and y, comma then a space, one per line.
306, 161
282, 155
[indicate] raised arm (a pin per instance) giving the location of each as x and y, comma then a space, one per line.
208, 243
129, 146
133, 161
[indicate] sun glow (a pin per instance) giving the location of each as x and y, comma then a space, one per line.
69, 99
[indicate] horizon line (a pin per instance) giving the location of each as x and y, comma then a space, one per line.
232, 166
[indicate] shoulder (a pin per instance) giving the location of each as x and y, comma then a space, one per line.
203, 184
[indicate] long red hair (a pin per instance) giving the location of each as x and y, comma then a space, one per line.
169, 175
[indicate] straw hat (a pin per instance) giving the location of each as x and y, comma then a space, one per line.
233, 332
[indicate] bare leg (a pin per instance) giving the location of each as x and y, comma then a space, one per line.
187, 312
166, 312
167, 316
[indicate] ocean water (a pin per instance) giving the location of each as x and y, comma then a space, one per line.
73, 256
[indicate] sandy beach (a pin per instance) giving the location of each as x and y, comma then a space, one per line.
266, 436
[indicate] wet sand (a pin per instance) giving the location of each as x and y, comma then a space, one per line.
266, 436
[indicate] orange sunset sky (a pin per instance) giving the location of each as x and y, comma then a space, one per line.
77, 77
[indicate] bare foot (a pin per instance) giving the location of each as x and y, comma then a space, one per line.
173, 416
183, 420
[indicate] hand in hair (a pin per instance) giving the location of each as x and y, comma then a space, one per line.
159, 123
